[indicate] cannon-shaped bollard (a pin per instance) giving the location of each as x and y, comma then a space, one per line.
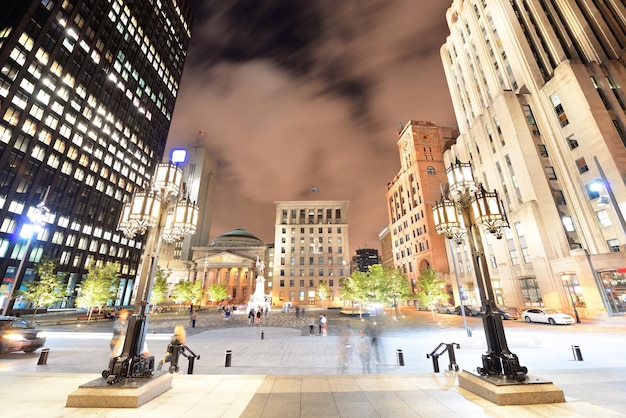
227, 360
262, 334
43, 357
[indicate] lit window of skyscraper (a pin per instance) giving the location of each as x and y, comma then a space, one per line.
87, 92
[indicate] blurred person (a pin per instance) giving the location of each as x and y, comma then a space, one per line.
365, 351
119, 333
179, 338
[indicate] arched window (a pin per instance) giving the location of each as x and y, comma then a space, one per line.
431, 170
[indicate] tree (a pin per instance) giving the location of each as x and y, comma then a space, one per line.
187, 291
99, 287
390, 285
356, 288
323, 291
159, 287
217, 292
431, 289
48, 288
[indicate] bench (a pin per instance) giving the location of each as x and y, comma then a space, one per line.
94, 317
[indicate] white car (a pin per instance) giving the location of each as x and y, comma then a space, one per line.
547, 315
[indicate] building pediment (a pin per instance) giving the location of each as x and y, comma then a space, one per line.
225, 259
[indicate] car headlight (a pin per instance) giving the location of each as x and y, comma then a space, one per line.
41, 334
13, 337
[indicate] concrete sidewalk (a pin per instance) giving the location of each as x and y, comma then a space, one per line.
422, 395
289, 374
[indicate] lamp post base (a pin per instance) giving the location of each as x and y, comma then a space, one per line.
502, 391
132, 393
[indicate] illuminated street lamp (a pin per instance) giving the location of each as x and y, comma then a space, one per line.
37, 218
460, 211
568, 282
165, 210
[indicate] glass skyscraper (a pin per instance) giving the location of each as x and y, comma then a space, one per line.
87, 93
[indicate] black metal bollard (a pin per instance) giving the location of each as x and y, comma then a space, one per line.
578, 356
228, 358
192, 359
262, 334
400, 357
43, 357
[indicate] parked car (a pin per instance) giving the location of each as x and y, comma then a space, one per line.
508, 312
547, 315
444, 308
19, 335
469, 310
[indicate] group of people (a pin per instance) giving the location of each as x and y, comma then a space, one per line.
322, 323
119, 335
255, 316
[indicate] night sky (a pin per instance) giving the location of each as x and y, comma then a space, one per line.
292, 94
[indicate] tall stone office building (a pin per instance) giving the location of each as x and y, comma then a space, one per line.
410, 195
87, 92
310, 245
537, 89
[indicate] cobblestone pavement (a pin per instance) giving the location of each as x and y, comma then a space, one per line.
212, 319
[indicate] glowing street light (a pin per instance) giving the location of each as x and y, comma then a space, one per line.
169, 215
460, 211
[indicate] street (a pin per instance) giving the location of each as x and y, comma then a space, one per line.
286, 347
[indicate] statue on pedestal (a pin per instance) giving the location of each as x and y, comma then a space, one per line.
258, 299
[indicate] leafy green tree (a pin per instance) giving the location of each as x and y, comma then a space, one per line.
48, 289
186, 291
323, 291
390, 285
357, 288
99, 287
217, 292
431, 289
159, 287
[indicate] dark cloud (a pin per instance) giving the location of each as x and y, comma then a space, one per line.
299, 93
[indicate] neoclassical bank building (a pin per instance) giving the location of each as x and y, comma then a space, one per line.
230, 260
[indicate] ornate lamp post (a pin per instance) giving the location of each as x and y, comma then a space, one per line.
37, 218
170, 216
568, 282
460, 211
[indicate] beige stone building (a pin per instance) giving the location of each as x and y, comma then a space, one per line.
230, 260
537, 89
310, 245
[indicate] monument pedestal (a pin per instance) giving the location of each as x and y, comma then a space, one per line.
130, 393
501, 391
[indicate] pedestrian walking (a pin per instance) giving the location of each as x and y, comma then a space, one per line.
119, 333
194, 317
324, 324
250, 316
258, 317
311, 326
365, 350
319, 325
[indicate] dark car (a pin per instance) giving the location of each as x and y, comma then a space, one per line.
19, 335
507, 312
469, 310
